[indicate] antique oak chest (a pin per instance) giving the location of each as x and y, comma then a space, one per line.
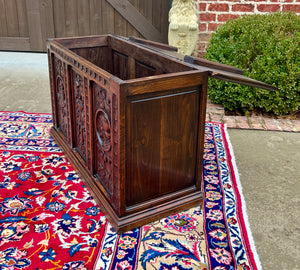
131, 120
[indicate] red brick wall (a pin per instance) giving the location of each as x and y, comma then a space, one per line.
213, 13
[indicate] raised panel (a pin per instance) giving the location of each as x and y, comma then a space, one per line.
162, 153
120, 65
142, 70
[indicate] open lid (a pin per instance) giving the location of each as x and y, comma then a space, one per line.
227, 73
214, 69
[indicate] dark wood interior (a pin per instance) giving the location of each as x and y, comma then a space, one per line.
126, 61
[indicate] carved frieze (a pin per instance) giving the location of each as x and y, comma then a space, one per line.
100, 78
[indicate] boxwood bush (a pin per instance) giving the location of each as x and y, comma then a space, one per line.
267, 48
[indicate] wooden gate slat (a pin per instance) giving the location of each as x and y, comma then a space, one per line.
146, 8
83, 18
22, 18
34, 25
59, 18
128, 11
164, 19
96, 17
11, 18
131, 31
120, 25
47, 21
71, 18
108, 15
3, 24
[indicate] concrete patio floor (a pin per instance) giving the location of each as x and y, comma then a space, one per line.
268, 162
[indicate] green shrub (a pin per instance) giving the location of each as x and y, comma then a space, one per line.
266, 48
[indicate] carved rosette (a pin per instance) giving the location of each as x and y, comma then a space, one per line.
61, 96
103, 130
103, 137
79, 114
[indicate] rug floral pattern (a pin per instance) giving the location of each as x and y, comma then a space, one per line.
48, 219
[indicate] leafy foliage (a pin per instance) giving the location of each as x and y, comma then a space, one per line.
267, 48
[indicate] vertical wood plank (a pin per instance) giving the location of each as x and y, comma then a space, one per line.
12, 18
120, 24
156, 20
47, 21
108, 18
59, 18
22, 18
164, 20
160, 17
96, 26
83, 18
146, 8
71, 25
34, 25
3, 24
131, 30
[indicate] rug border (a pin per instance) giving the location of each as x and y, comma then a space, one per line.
241, 202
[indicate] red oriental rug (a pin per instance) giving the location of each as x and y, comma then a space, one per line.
48, 219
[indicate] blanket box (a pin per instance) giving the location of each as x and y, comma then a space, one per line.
131, 121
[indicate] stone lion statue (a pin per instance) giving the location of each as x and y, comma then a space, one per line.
183, 26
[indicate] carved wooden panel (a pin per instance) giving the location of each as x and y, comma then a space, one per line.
89, 125
79, 128
61, 96
103, 137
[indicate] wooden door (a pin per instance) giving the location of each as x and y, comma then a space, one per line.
25, 25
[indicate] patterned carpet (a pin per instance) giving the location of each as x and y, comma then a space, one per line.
48, 219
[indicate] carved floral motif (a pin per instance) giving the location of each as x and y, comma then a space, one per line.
103, 151
61, 96
79, 115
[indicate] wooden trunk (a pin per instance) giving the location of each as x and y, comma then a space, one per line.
131, 121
